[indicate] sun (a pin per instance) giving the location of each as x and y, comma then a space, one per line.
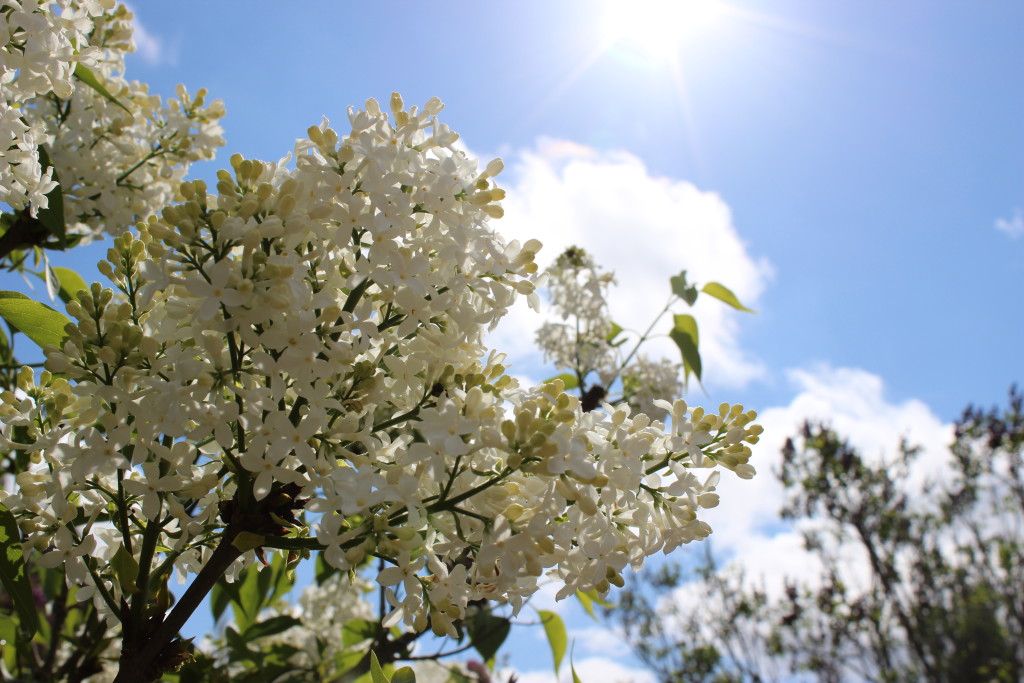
658, 29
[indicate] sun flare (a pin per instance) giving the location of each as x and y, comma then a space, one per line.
657, 29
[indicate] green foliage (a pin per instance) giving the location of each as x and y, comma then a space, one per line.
52, 217
723, 293
86, 76
945, 567
684, 334
37, 321
554, 629
13, 574
487, 632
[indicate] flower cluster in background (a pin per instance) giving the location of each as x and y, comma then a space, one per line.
120, 152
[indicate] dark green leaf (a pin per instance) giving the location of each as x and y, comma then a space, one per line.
567, 378
126, 569
557, 637
487, 633
13, 575
684, 334
37, 321
723, 293
221, 596
83, 74
682, 289
52, 217
269, 627
323, 570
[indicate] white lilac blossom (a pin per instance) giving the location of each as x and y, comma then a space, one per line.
118, 161
309, 339
646, 380
578, 289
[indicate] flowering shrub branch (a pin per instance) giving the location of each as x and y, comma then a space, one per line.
295, 363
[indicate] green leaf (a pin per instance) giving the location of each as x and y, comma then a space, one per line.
684, 334
587, 601
37, 321
575, 678
404, 675
592, 596
84, 74
614, 332
70, 283
377, 674
126, 569
52, 217
682, 289
13, 574
567, 377
554, 627
487, 633
273, 625
347, 660
357, 631
221, 596
723, 293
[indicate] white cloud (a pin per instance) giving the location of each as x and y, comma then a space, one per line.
148, 45
643, 227
852, 402
590, 670
1014, 227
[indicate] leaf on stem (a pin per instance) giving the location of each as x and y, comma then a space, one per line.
404, 675
682, 289
377, 674
723, 293
52, 217
567, 378
69, 283
35, 320
684, 334
554, 627
85, 75
13, 574
487, 633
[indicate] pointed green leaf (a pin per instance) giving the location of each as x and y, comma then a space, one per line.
13, 574
572, 667
357, 631
723, 293
126, 569
52, 217
84, 74
682, 289
587, 603
404, 675
554, 627
567, 378
70, 283
587, 600
377, 674
269, 627
37, 321
684, 334
221, 596
614, 332
487, 633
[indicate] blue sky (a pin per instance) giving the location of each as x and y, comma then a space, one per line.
843, 166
